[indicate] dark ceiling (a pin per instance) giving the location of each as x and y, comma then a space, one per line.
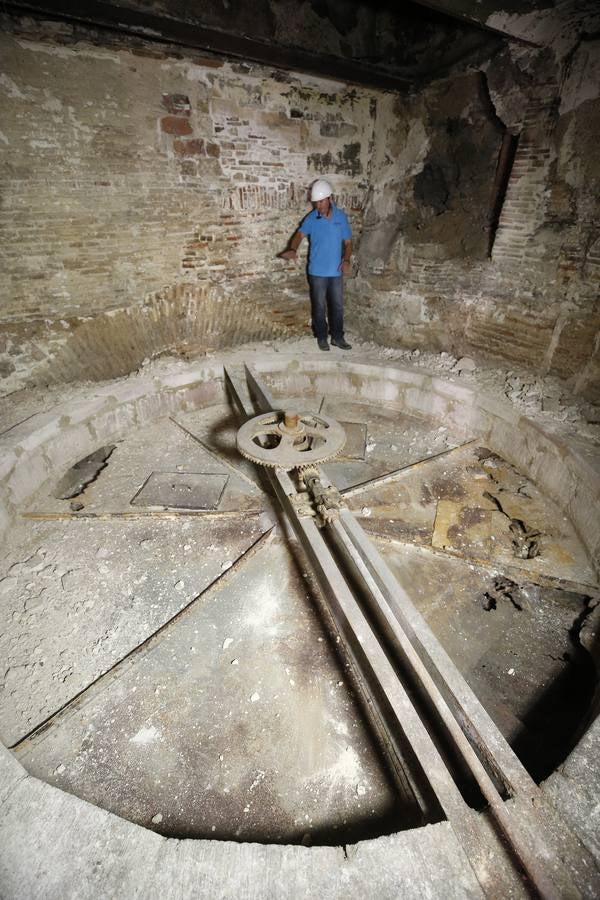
378, 43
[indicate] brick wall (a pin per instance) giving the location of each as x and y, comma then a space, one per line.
132, 173
126, 172
536, 301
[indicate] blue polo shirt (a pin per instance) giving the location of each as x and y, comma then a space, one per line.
326, 237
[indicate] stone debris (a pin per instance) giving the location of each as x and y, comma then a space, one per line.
525, 540
77, 478
502, 589
465, 364
591, 413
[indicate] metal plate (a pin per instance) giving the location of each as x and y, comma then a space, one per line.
181, 490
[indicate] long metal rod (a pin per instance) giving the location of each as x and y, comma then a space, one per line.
537, 836
145, 514
520, 842
400, 612
373, 661
327, 572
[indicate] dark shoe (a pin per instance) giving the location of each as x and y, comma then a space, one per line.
323, 345
343, 345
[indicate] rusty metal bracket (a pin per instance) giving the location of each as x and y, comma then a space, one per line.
302, 504
326, 498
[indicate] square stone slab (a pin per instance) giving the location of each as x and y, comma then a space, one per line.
181, 490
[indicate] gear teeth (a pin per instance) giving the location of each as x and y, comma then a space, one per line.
287, 457
300, 468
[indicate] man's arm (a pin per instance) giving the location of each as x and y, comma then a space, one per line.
292, 251
345, 264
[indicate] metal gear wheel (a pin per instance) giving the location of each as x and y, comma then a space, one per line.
290, 440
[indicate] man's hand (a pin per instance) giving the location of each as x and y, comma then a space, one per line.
346, 266
288, 254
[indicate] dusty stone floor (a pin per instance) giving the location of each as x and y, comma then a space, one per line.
177, 657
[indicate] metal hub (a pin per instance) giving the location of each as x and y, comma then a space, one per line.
290, 440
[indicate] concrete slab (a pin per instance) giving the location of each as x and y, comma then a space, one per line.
81, 594
464, 504
161, 446
238, 723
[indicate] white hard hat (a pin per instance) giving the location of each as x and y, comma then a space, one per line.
320, 190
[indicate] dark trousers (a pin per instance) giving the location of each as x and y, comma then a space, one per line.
327, 305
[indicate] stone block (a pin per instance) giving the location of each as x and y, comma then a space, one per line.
55, 845
583, 511
71, 445
111, 424
28, 476
36, 432
511, 443
8, 460
186, 378
467, 420
574, 787
193, 147
551, 473
500, 410
82, 410
453, 391
426, 403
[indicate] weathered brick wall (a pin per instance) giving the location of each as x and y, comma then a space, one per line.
536, 301
147, 193
128, 172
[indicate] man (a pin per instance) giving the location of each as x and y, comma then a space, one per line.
330, 249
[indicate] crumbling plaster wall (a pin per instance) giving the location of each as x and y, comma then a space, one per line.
423, 279
146, 196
